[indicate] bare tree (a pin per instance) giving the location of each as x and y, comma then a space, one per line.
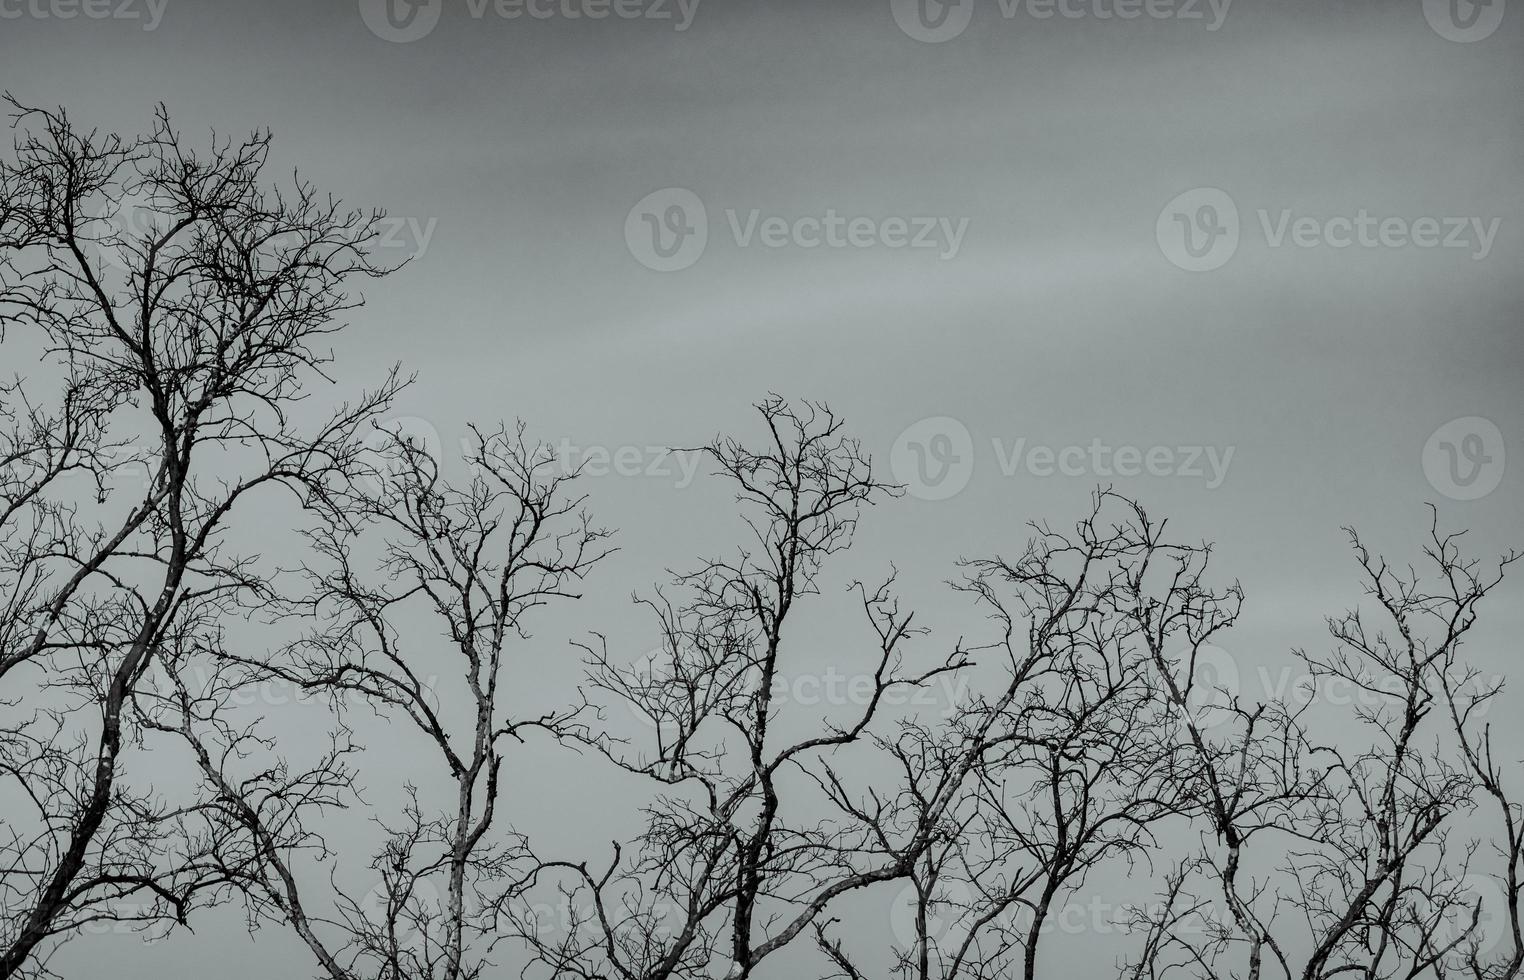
177, 309
730, 867
1353, 838
1447, 607
179, 306
1074, 760
477, 561
1318, 857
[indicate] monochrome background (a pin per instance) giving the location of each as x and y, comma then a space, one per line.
1135, 287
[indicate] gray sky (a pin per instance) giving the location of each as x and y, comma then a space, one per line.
1060, 315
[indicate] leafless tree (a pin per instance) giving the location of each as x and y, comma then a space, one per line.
1318, 856
179, 307
731, 867
1075, 760
477, 561
1458, 584
1357, 870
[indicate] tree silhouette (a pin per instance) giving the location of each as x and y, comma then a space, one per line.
178, 341
178, 528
